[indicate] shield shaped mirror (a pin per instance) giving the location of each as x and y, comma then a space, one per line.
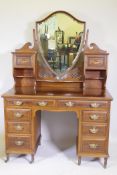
61, 38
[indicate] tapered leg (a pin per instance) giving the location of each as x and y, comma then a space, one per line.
40, 140
105, 162
7, 158
32, 158
79, 160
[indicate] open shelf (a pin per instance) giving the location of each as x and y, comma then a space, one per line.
98, 84
23, 72
95, 74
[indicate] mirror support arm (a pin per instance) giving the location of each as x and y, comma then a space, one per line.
86, 40
35, 39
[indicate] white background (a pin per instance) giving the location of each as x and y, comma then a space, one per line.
17, 20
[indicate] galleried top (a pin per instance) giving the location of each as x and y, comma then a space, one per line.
61, 59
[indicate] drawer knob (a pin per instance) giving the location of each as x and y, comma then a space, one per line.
93, 130
18, 115
93, 146
18, 103
95, 105
42, 103
19, 127
94, 117
19, 143
69, 104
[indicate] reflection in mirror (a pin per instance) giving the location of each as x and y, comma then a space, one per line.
61, 38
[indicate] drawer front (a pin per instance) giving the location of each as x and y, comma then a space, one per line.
18, 114
43, 103
96, 62
19, 127
23, 61
95, 116
25, 102
90, 146
18, 143
18, 102
86, 104
94, 130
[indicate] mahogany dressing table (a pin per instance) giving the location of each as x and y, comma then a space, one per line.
60, 73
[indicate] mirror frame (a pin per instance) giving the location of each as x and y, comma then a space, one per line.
81, 48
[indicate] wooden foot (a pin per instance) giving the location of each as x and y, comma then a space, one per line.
32, 158
79, 160
7, 158
105, 162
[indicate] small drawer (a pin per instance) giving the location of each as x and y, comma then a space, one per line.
94, 146
66, 103
26, 102
94, 130
23, 61
84, 104
43, 103
18, 102
18, 143
18, 114
96, 62
95, 116
19, 127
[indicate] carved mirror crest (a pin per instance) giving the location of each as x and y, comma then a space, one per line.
60, 40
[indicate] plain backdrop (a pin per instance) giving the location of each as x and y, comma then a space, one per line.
17, 20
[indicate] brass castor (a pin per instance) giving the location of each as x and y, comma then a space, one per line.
7, 158
32, 158
79, 160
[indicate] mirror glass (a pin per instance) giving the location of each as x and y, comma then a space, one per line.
61, 39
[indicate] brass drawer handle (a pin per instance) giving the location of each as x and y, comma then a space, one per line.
18, 115
93, 130
96, 62
94, 117
24, 61
19, 143
93, 146
19, 127
42, 103
95, 105
18, 103
69, 104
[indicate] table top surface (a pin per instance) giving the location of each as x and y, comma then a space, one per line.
28, 92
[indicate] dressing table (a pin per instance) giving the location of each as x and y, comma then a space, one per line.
59, 73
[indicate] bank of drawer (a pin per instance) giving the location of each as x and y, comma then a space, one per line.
95, 116
19, 127
18, 143
94, 146
96, 62
18, 114
87, 104
94, 130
